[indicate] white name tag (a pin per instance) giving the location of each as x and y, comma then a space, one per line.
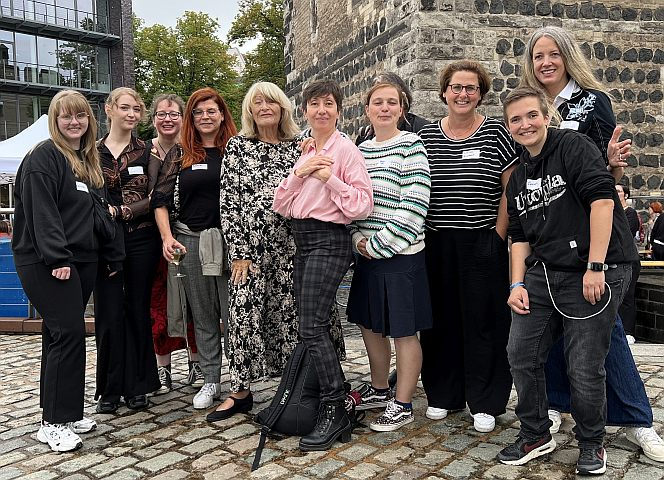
135, 170
470, 154
572, 244
569, 125
534, 184
81, 187
199, 166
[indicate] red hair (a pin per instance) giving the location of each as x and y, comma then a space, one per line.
189, 136
656, 207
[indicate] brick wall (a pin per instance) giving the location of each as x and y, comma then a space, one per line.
350, 40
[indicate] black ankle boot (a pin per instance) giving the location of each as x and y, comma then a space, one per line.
333, 423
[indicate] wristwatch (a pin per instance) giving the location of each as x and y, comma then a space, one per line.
597, 266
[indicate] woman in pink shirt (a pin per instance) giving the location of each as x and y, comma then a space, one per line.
328, 188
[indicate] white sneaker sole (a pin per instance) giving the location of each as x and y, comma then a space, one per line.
57, 447
379, 427
435, 415
484, 428
537, 452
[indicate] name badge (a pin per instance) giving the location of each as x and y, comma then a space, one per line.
569, 125
135, 170
534, 184
572, 244
81, 187
467, 154
199, 166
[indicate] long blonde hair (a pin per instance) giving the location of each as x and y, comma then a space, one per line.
72, 102
287, 127
575, 63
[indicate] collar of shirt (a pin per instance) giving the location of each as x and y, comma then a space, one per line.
566, 93
328, 145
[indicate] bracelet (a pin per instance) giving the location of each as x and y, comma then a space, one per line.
517, 284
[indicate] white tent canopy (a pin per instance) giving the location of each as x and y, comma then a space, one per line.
14, 149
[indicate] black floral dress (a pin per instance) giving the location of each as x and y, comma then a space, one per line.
263, 326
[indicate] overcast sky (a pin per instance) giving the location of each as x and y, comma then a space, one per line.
166, 12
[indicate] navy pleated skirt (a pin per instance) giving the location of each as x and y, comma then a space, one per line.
391, 296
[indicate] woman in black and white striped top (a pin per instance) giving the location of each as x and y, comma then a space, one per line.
470, 159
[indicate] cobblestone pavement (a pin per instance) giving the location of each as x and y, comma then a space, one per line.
171, 440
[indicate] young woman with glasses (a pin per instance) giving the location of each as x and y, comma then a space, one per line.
189, 186
126, 365
56, 252
471, 158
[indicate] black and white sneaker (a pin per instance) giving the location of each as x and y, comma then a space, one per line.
165, 379
195, 376
393, 418
592, 461
371, 398
523, 451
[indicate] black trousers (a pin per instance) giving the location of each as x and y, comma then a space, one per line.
464, 354
126, 363
61, 304
321, 260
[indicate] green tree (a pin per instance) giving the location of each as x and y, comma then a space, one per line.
183, 59
264, 20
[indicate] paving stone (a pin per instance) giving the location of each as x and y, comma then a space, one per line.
363, 471
485, 451
162, 461
505, 472
8, 446
201, 446
357, 452
126, 474
81, 462
324, 468
134, 430
305, 458
434, 457
407, 472
196, 434
464, 468
10, 472
171, 475
112, 465
568, 456
238, 431
394, 456
42, 475
641, 473
12, 457
458, 443
270, 471
210, 460
230, 470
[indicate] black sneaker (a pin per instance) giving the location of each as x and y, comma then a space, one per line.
523, 451
371, 398
592, 461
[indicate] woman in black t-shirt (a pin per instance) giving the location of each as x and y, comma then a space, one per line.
188, 186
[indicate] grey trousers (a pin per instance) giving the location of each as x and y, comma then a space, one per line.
207, 297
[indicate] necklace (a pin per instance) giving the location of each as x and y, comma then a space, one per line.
464, 133
162, 148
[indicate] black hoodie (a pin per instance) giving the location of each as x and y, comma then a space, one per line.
548, 202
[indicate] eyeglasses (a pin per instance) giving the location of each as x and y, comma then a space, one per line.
172, 115
470, 89
211, 112
68, 118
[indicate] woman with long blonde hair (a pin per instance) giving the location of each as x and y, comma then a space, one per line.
55, 251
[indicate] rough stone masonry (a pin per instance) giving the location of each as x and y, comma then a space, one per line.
351, 40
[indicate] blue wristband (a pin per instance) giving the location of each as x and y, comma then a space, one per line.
517, 284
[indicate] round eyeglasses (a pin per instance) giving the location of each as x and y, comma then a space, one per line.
172, 115
68, 117
470, 89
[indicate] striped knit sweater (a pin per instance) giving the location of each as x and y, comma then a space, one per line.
399, 172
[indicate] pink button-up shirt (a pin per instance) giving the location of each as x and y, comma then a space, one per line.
346, 196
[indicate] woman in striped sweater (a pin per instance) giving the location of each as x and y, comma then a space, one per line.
389, 295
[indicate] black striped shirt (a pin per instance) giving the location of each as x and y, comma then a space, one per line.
465, 175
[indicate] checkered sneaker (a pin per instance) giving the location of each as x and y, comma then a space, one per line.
370, 398
393, 418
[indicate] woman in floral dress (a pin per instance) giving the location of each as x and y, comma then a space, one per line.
262, 327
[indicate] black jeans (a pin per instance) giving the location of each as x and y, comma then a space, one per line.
586, 346
61, 303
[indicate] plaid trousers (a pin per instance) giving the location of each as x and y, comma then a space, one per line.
322, 258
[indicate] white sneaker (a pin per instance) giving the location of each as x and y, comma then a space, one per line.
648, 440
630, 339
206, 396
484, 423
556, 420
435, 413
59, 437
84, 425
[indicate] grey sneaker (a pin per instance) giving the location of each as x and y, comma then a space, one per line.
195, 376
393, 418
84, 425
165, 379
371, 398
592, 461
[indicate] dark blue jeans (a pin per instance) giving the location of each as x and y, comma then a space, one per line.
586, 344
627, 404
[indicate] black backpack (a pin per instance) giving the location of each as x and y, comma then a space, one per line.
294, 407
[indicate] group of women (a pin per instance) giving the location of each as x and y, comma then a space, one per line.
264, 228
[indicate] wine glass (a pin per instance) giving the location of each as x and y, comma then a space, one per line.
178, 255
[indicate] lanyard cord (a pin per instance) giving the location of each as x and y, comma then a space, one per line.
546, 276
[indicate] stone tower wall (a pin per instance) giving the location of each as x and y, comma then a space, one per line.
350, 40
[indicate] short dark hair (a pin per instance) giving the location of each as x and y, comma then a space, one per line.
464, 66
625, 189
520, 93
322, 88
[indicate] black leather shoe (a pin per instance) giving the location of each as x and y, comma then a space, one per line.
240, 405
139, 402
107, 406
333, 423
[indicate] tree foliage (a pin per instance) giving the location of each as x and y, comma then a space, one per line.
183, 59
264, 20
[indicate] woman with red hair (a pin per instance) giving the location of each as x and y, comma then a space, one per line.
188, 188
